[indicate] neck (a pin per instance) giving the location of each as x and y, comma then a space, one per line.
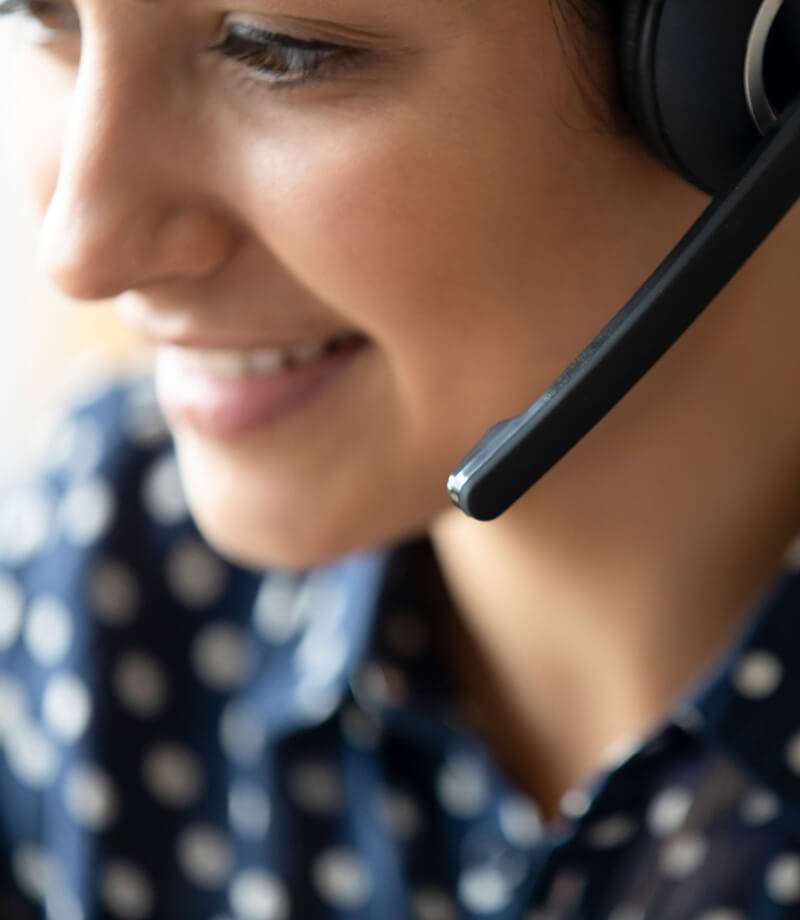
588, 609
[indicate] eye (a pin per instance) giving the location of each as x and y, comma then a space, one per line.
279, 60
283, 60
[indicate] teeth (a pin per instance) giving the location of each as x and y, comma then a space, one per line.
225, 363
265, 361
233, 364
304, 353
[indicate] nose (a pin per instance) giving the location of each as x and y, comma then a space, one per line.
125, 211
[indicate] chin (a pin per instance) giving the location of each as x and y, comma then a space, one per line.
259, 521
259, 538
264, 543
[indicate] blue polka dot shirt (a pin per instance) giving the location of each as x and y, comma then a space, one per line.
182, 738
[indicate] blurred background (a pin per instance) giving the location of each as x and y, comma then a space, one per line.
52, 348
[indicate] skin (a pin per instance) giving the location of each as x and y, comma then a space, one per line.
457, 203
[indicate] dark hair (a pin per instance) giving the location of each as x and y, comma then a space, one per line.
588, 31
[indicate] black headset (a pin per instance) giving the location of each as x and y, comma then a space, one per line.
714, 88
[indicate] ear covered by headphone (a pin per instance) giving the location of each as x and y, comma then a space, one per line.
714, 88
697, 76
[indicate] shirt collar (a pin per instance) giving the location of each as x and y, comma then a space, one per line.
744, 704
378, 638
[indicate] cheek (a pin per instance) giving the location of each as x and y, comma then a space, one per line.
411, 241
374, 239
387, 234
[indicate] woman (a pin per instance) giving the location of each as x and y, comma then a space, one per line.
316, 689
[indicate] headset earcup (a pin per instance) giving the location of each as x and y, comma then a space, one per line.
682, 70
636, 74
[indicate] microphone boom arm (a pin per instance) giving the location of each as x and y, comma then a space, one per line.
514, 454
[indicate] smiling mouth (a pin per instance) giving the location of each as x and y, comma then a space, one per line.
236, 363
224, 393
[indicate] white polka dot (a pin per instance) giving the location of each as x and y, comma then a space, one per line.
574, 803
277, 615
689, 718
113, 592
611, 831
667, 812
618, 752
195, 576
758, 674
361, 729
342, 879
627, 912
126, 891
90, 797
520, 822
430, 903
242, 732
173, 775
783, 879
32, 757
204, 855
222, 656
259, 895
162, 492
11, 602
793, 753
461, 786
759, 806
316, 787
249, 809
67, 706
682, 855
140, 683
380, 685
74, 446
33, 868
48, 630
399, 812
26, 516
484, 889
143, 421
87, 511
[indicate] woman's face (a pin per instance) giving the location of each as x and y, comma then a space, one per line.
443, 193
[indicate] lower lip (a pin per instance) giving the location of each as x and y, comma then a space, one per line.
224, 408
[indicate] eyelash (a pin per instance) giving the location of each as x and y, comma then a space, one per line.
271, 53
266, 53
